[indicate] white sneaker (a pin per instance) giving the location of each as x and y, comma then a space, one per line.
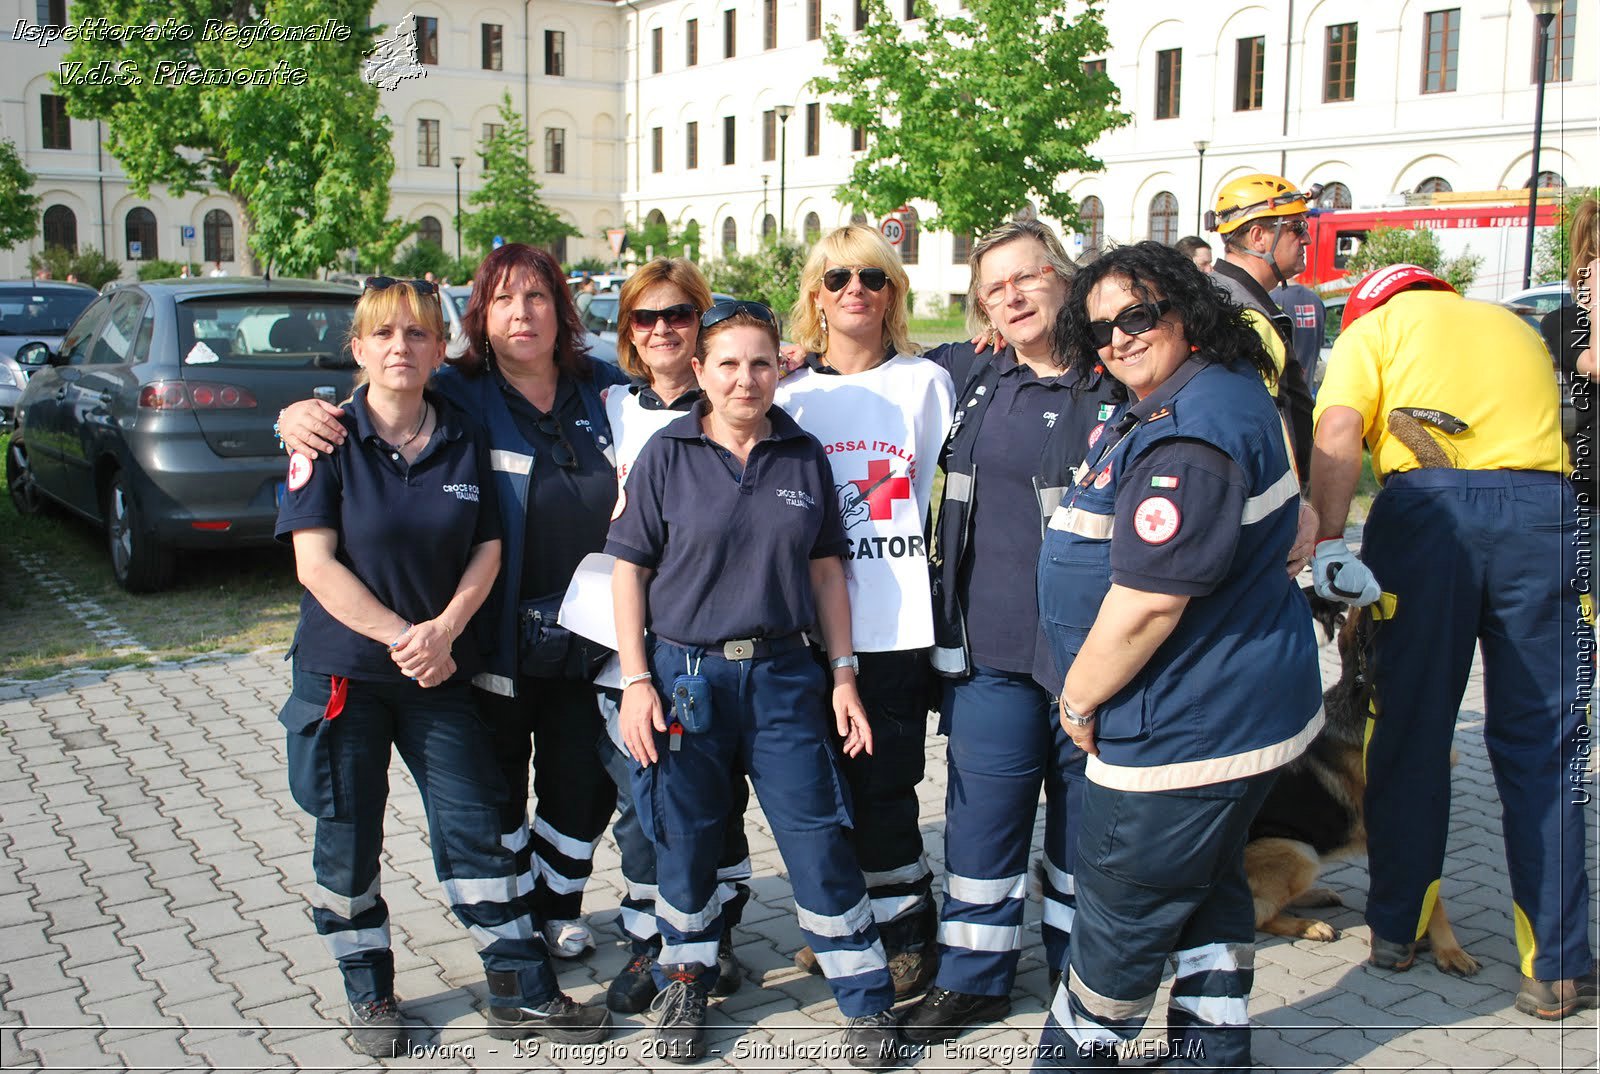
567, 939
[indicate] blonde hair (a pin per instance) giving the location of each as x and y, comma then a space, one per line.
1584, 240
377, 307
856, 246
1055, 255
677, 271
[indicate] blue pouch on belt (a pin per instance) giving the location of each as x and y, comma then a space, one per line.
691, 699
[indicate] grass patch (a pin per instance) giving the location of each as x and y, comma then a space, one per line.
928, 330
230, 601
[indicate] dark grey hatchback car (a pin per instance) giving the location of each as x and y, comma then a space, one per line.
154, 417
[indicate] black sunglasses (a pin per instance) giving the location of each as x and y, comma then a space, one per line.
383, 283
680, 316
721, 311
837, 279
562, 451
1134, 321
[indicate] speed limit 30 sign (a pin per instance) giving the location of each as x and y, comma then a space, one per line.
893, 230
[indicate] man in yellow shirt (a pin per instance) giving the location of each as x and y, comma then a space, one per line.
1473, 539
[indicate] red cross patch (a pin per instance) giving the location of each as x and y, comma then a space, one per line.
1103, 478
1156, 520
299, 471
1094, 434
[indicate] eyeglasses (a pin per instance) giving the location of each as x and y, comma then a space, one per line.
1299, 229
562, 451
680, 316
1136, 320
383, 283
1025, 281
837, 279
721, 311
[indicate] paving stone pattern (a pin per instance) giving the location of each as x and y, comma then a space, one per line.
152, 866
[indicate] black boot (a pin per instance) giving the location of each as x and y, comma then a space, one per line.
874, 1042
942, 1015
632, 990
730, 973
377, 1029
559, 1018
681, 1007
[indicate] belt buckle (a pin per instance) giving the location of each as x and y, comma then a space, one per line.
739, 649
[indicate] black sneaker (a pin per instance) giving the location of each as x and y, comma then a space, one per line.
730, 973
377, 1029
874, 1042
941, 1015
632, 990
681, 1016
560, 1019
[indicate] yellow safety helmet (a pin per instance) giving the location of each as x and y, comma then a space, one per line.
1254, 196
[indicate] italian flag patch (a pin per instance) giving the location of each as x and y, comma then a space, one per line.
1163, 482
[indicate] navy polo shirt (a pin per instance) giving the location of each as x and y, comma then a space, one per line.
1179, 509
997, 572
649, 399
731, 550
406, 531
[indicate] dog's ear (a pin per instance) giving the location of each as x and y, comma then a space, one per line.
1329, 614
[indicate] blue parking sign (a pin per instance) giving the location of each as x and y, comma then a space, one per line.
187, 233
499, 241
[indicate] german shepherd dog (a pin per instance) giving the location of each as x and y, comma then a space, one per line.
1314, 812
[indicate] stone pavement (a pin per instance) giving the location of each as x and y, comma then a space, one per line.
151, 918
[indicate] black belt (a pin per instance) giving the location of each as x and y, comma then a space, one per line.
747, 648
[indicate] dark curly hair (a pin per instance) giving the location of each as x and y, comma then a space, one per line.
572, 341
1211, 320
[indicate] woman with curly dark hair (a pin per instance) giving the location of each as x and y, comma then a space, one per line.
1191, 666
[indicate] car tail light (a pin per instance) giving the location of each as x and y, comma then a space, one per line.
217, 527
194, 395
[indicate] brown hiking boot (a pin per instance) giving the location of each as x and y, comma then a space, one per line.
1553, 1000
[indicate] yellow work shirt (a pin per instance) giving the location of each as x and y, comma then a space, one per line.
1275, 348
1438, 351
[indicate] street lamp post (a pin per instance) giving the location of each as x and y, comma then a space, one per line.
784, 112
458, 161
1545, 12
765, 179
1200, 185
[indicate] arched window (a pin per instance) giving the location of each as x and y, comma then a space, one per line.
813, 228
691, 239
858, 218
961, 248
140, 227
429, 230
908, 244
769, 228
1092, 218
1335, 196
655, 218
730, 237
218, 236
558, 250
1164, 218
1434, 185
1549, 181
61, 228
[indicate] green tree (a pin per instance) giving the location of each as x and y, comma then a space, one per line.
165, 270
1396, 246
90, 266
305, 156
770, 275
509, 195
662, 240
976, 111
421, 257
1552, 250
19, 210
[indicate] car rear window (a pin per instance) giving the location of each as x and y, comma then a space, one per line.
29, 311
283, 332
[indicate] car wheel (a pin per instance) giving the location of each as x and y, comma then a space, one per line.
20, 482
140, 563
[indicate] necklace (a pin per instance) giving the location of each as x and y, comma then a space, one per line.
423, 420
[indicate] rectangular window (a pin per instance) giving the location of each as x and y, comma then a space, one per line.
1339, 64
691, 42
491, 131
858, 139
691, 145
813, 130
655, 149
427, 39
911, 10
555, 53
1094, 68
729, 136
1169, 82
51, 13
427, 143
657, 48
730, 33
1249, 73
1441, 49
493, 56
769, 135
769, 24
861, 15
1558, 54
813, 19
555, 150
53, 121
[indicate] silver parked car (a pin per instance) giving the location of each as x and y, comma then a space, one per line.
153, 417
33, 312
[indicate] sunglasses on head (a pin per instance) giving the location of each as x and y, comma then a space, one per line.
383, 283
1134, 321
837, 279
721, 311
681, 315
561, 451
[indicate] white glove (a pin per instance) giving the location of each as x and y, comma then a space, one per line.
1340, 576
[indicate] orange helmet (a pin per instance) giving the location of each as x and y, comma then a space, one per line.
1380, 285
1254, 196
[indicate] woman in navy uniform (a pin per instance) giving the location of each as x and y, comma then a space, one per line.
728, 547
397, 540
1189, 656
528, 382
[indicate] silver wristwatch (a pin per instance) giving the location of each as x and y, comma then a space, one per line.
1073, 716
845, 662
